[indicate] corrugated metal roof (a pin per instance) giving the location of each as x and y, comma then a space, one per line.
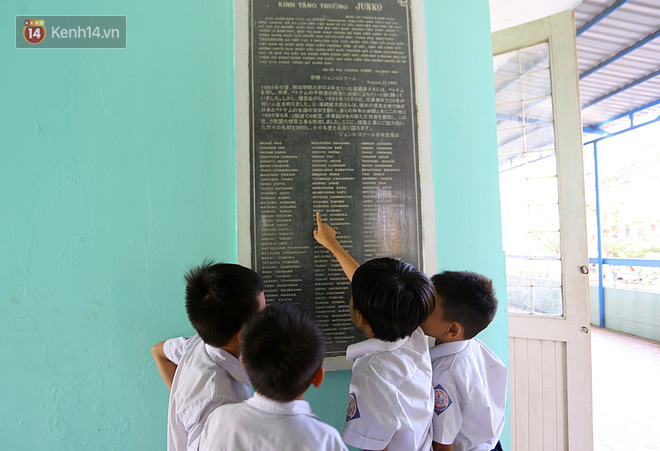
630, 81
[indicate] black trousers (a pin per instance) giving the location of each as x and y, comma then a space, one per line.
498, 447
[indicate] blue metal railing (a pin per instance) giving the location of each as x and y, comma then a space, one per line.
628, 262
601, 260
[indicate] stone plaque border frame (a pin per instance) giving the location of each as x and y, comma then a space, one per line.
243, 175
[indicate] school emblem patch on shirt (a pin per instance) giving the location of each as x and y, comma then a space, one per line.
442, 400
353, 412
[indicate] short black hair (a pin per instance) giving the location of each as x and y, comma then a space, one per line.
467, 298
220, 298
282, 348
393, 296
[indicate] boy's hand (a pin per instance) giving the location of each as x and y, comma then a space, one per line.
325, 234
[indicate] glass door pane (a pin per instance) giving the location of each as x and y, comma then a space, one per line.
528, 181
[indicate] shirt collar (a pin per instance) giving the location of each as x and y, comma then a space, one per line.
227, 361
296, 407
445, 349
363, 348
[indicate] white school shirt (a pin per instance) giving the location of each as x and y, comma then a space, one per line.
263, 424
390, 401
470, 384
206, 378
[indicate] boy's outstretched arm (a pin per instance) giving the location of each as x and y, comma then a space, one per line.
325, 235
166, 367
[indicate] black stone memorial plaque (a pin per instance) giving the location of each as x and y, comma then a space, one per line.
333, 129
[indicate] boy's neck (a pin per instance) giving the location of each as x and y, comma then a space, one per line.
232, 347
298, 398
366, 328
439, 341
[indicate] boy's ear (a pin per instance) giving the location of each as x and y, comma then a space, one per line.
236, 339
317, 380
361, 320
455, 330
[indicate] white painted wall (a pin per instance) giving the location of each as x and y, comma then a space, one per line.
509, 13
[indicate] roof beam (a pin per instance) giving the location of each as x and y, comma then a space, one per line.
594, 130
629, 129
621, 54
623, 88
603, 14
627, 113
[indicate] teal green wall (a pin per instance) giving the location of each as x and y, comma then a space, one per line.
118, 173
464, 143
465, 165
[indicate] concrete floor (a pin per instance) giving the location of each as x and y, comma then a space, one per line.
626, 392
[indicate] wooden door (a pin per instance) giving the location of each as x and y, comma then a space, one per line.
544, 234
